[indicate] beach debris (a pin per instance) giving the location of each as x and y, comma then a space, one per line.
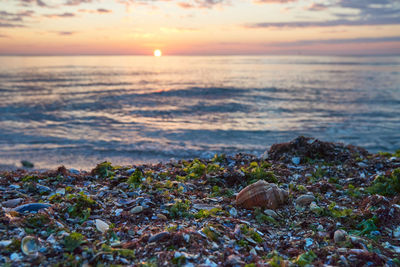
102, 226
261, 194
30, 246
32, 207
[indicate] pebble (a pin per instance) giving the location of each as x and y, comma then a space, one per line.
162, 217
12, 203
61, 191
43, 189
396, 232
296, 160
136, 209
233, 212
234, 260
271, 213
118, 212
15, 257
339, 236
74, 171
159, 236
210, 263
304, 200
102, 226
204, 207
5, 243
309, 242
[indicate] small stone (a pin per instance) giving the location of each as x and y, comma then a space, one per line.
159, 237
136, 209
5, 243
271, 213
74, 171
234, 260
304, 200
12, 203
102, 226
309, 242
339, 236
27, 164
210, 263
186, 237
43, 189
118, 212
233, 212
204, 207
60, 191
396, 232
162, 217
15, 257
130, 171
296, 160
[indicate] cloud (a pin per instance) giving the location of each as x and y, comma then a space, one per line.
273, 1
103, 10
65, 33
317, 7
19, 16
10, 25
63, 15
77, 2
14, 20
99, 11
362, 40
4, 36
185, 5
364, 12
40, 3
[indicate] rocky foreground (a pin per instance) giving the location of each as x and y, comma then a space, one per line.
343, 209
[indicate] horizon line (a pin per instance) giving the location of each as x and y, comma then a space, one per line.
200, 55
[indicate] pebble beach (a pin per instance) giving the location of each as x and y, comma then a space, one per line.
342, 209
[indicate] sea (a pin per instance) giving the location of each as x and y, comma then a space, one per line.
78, 111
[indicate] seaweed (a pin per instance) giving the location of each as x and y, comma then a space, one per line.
104, 170
73, 241
136, 178
306, 258
81, 206
195, 169
386, 185
179, 209
255, 172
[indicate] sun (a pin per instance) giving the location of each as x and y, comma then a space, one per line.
157, 53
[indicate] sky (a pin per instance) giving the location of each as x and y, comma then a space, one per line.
199, 27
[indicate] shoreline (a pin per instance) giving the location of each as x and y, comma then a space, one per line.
343, 208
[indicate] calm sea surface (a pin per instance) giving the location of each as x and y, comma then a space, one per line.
78, 111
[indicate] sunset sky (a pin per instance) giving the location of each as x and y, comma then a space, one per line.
199, 27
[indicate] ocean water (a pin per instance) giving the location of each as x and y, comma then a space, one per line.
81, 110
